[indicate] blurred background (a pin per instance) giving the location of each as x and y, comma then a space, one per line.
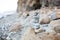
7, 6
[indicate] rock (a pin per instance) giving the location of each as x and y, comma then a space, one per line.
58, 36
29, 34
53, 36
57, 28
57, 2
55, 22
28, 5
58, 14
44, 19
55, 14
55, 25
15, 27
33, 23
47, 36
39, 30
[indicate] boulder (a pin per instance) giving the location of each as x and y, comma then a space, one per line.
44, 20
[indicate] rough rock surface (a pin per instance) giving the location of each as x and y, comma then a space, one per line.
37, 24
33, 25
28, 5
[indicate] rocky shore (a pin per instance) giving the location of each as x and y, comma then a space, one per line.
39, 24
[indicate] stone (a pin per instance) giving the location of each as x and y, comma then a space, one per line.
47, 36
58, 14
15, 27
57, 28
55, 22
33, 23
29, 34
55, 25
28, 5
58, 36
44, 19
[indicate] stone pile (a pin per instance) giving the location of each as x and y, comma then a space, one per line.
31, 24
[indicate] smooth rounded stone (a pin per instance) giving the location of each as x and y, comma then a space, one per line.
44, 19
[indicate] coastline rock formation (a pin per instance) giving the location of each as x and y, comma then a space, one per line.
35, 20
29, 5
